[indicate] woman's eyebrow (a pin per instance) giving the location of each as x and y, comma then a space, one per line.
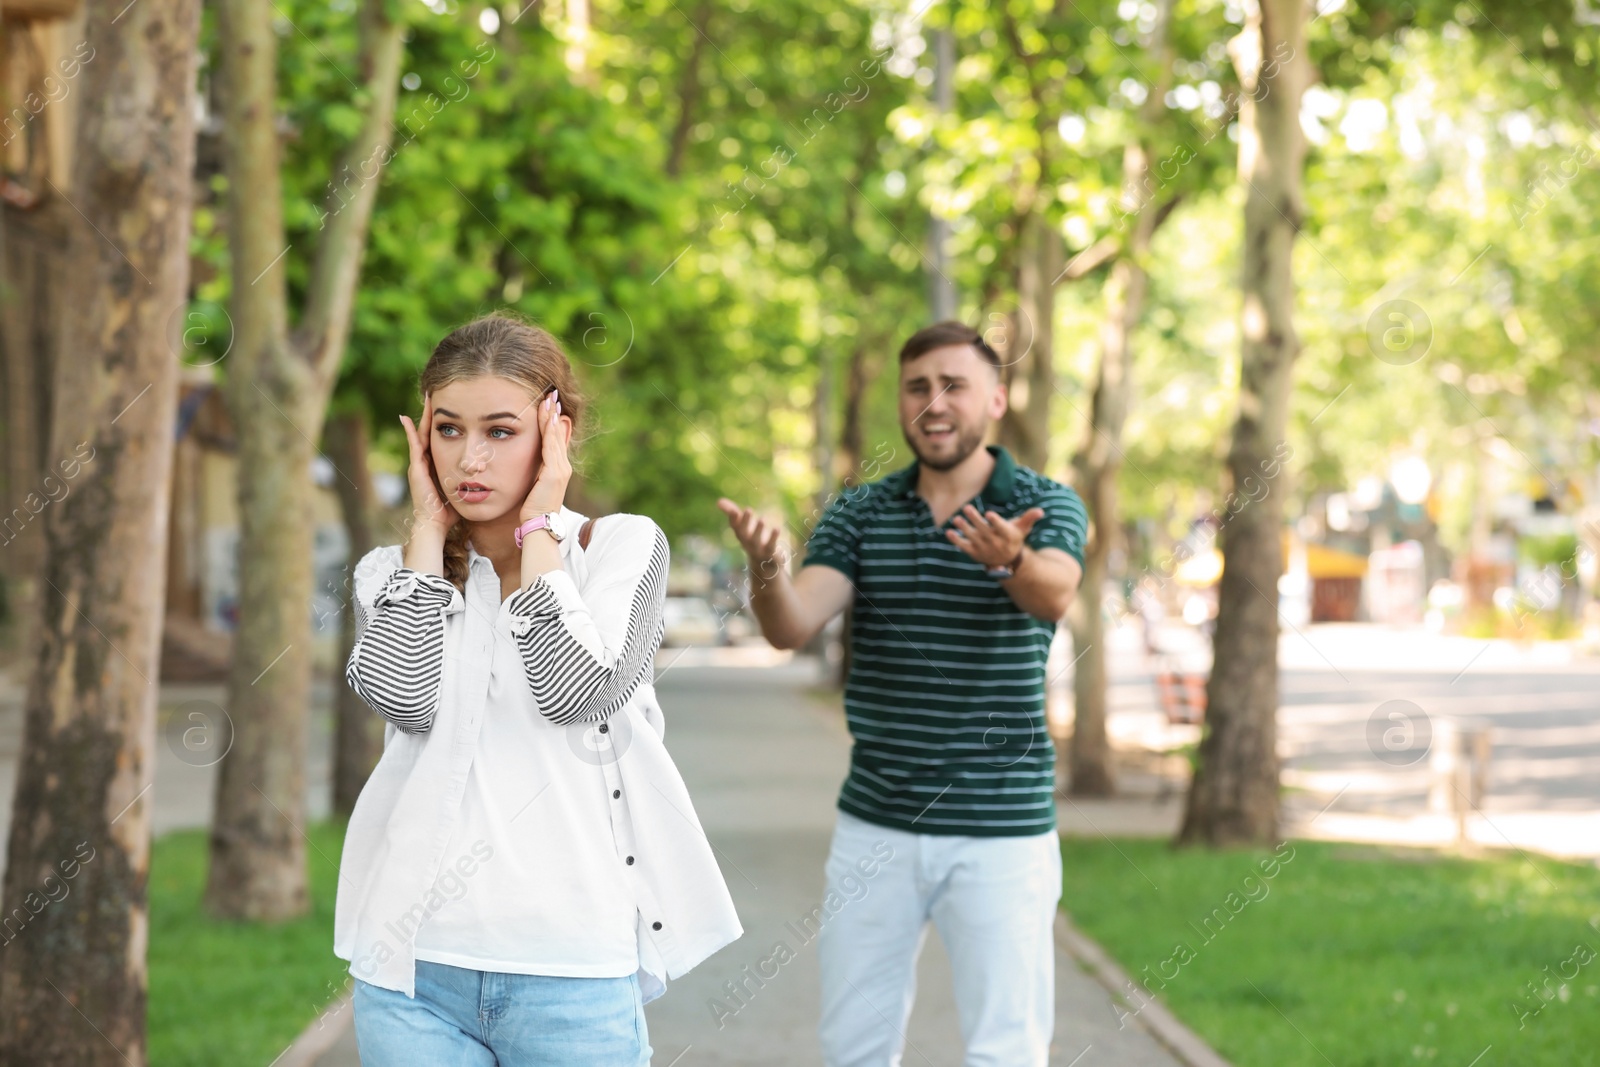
486, 418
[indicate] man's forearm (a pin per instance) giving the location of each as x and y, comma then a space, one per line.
1043, 586
777, 606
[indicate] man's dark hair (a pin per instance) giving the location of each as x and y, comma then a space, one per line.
944, 334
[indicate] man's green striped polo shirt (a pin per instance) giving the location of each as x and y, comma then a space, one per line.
945, 697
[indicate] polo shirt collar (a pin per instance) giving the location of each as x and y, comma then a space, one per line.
998, 490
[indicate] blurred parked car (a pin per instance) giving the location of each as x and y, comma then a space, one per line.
738, 628
689, 620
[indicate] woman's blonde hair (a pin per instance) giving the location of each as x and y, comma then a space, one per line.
498, 346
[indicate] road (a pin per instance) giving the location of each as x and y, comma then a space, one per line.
1365, 718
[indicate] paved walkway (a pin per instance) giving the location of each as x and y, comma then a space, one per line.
763, 761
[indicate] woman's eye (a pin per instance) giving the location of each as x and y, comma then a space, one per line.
444, 431
500, 429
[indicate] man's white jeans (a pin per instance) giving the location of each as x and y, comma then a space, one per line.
993, 900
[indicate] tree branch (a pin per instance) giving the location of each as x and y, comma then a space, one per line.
247, 74
688, 91
331, 290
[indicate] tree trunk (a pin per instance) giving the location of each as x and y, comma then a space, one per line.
278, 389
859, 376
72, 976
1030, 344
1099, 457
357, 732
941, 289
1097, 463
1234, 796
823, 441
30, 317
688, 91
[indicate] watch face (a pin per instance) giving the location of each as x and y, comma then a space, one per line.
556, 525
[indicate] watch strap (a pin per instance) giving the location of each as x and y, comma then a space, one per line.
1006, 570
538, 522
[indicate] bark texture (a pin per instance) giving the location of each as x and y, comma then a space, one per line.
72, 973
278, 387
1099, 458
1234, 796
357, 731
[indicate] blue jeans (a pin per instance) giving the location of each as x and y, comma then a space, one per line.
468, 1018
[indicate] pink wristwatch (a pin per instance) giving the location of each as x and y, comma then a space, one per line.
550, 522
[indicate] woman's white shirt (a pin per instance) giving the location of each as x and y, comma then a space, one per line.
554, 897
525, 816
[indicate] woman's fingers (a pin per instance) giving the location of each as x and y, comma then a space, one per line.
425, 431
555, 437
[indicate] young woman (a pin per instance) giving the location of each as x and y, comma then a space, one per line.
523, 870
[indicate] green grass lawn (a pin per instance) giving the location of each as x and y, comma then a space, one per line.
235, 993
1353, 956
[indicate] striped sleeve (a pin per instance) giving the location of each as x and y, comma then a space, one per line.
586, 650
397, 662
1065, 524
836, 540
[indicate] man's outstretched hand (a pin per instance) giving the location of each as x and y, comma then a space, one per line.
990, 539
761, 540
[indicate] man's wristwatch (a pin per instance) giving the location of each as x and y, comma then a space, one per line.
1005, 570
550, 522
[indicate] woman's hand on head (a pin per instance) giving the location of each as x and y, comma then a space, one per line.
430, 511
555, 465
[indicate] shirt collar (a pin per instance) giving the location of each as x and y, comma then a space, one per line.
572, 520
998, 490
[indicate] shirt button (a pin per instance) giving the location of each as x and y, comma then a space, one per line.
630, 861
604, 728
655, 926
615, 793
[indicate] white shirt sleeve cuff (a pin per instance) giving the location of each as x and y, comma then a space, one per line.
552, 595
405, 582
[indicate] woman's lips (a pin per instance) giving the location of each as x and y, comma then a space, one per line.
472, 495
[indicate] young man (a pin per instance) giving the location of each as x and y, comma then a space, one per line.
958, 568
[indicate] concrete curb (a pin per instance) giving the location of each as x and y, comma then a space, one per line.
323, 1033
1153, 1016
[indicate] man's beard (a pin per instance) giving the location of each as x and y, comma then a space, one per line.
968, 441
